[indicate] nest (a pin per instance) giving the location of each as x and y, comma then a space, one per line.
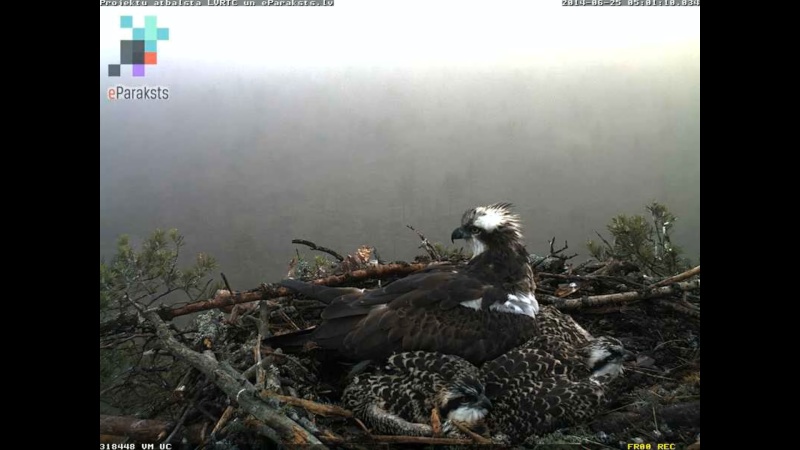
292, 398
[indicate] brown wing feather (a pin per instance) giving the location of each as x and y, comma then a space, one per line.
423, 312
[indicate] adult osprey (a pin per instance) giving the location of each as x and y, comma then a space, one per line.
477, 311
558, 378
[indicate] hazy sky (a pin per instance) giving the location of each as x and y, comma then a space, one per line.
342, 124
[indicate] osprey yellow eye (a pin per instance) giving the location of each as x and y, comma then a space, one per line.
474, 230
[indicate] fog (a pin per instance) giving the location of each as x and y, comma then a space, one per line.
242, 158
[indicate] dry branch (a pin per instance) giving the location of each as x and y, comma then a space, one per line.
556, 253
310, 406
679, 277
147, 430
222, 301
426, 245
232, 383
270, 291
223, 420
318, 248
600, 300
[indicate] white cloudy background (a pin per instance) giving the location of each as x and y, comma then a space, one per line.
342, 124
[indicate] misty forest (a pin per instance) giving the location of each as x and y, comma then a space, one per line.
356, 177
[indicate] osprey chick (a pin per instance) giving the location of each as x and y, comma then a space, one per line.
399, 398
477, 311
559, 378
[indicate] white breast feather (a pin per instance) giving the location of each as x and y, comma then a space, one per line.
519, 304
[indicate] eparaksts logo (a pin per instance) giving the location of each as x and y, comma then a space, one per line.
138, 93
142, 49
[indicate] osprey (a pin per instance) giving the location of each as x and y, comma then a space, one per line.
477, 311
558, 378
400, 396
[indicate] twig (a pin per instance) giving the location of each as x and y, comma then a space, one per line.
227, 285
288, 319
655, 420
679, 277
310, 406
608, 245
475, 436
318, 248
555, 253
426, 245
599, 300
223, 419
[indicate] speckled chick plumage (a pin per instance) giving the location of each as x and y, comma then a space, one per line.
399, 396
558, 378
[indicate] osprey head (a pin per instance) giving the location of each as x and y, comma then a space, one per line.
464, 400
605, 355
487, 226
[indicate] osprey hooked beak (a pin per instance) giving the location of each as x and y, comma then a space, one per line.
459, 233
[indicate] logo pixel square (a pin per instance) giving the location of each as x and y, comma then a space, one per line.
142, 49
